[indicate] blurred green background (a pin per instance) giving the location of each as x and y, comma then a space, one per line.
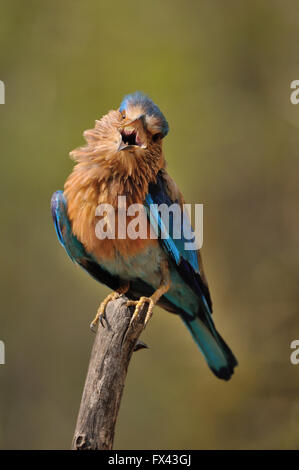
221, 73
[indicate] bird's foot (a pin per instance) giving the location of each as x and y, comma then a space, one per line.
101, 313
138, 307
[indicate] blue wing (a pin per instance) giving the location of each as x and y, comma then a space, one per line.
74, 247
218, 355
186, 261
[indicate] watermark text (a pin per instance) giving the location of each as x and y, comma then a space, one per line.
156, 221
2, 352
294, 357
2, 92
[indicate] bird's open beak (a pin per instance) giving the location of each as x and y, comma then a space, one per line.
132, 134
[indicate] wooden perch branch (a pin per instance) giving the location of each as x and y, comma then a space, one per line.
110, 357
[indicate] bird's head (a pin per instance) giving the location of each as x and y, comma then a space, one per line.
126, 138
142, 124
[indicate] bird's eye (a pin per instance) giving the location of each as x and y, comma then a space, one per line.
156, 137
123, 113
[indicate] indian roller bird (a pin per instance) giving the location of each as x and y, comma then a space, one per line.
123, 157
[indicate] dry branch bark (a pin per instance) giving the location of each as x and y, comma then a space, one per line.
107, 370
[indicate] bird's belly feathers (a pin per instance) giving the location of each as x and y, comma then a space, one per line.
145, 264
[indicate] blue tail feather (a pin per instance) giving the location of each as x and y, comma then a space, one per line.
216, 352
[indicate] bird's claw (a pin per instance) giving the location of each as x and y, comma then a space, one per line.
140, 345
138, 307
98, 319
101, 313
